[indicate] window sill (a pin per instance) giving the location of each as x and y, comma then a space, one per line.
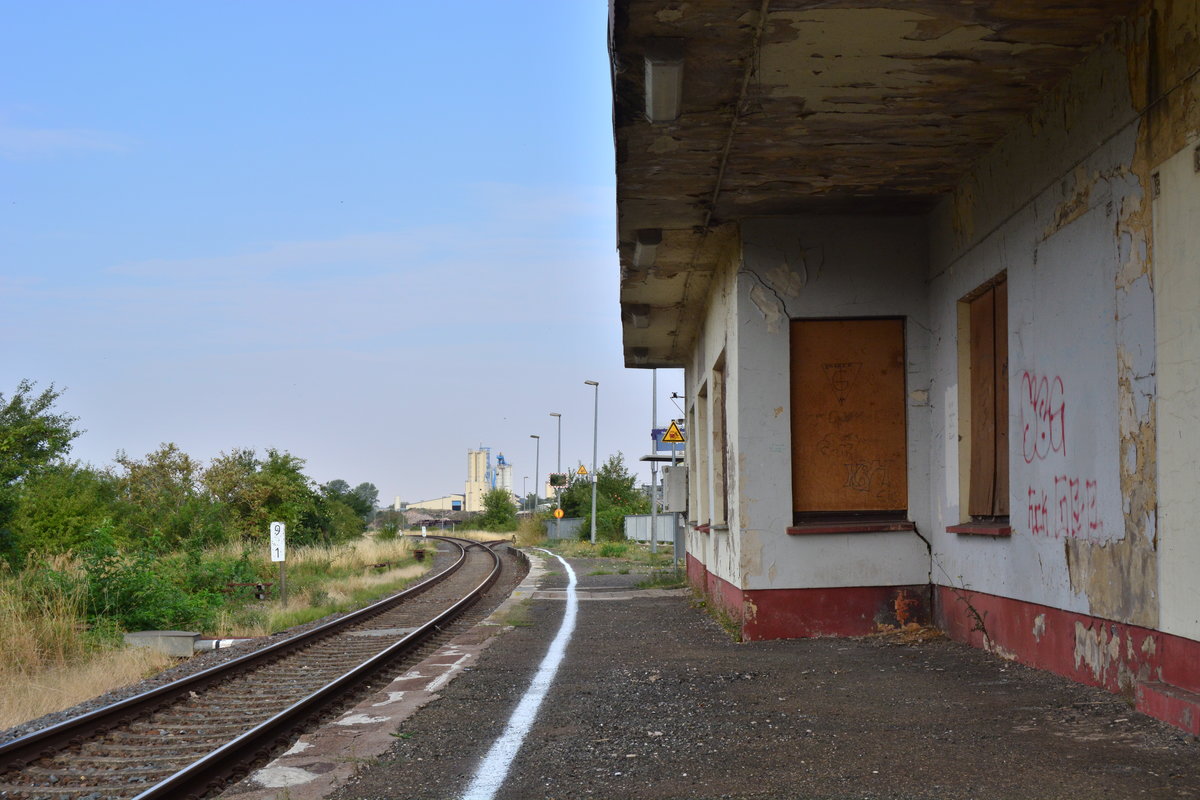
851, 526
999, 529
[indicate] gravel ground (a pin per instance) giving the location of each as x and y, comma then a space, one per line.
655, 701
197, 663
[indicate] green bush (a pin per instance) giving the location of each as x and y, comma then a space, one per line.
144, 589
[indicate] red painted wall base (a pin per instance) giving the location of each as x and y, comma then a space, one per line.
799, 613
1160, 673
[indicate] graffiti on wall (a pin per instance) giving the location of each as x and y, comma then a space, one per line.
1070, 512
870, 476
1043, 416
1067, 508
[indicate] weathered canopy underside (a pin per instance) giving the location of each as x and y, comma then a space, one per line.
863, 105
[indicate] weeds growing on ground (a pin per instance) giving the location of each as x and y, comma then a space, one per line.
632, 553
62, 617
664, 579
518, 616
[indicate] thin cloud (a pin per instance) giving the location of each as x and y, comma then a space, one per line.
359, 253
17, 143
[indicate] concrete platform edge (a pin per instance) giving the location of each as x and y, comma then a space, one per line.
323, 759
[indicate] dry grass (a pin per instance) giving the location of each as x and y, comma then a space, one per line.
28, 696
317, 601
480, 536
531, 532
39, 622
50, 661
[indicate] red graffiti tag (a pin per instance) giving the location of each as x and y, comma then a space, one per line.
1043, 416
1071, 512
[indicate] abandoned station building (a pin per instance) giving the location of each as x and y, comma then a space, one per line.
932, 270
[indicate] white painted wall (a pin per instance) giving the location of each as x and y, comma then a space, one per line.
1048, 206
818, 267
1177, 281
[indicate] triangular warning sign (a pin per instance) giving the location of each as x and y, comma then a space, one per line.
673, 436
582, 470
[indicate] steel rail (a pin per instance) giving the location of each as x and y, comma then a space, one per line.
230, 760
19, 752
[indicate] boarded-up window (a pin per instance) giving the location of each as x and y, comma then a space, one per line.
988, 360
848, 417
720, 457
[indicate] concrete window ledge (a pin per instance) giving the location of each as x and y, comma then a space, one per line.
1000, 529
851, 526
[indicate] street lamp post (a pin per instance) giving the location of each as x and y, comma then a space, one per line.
558, 464
595, 431
558, 490
537, 466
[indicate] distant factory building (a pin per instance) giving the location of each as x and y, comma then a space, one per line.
451, 502
483, 476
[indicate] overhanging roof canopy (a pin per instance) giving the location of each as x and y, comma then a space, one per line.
790, 106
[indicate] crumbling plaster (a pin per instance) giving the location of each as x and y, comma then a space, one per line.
1062, 205
810, 267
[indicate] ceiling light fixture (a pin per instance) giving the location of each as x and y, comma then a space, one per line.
664, 79
645, 246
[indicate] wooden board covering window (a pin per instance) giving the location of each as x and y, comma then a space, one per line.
848, 416
989, 403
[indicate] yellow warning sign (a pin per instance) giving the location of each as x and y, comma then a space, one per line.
673, 436
582, 470
558, 513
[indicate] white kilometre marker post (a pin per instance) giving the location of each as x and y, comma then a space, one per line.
495, 766
279, 553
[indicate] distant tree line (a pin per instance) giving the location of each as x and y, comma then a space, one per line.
617, 496
161, 502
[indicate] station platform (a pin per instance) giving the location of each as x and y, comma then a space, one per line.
653, 699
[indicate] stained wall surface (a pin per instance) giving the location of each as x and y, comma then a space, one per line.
1177, 280
1089, 209
820, 267
1058, 206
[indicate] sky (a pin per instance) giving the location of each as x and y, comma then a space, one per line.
375, 234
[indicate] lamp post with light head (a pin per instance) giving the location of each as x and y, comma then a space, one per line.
537, 458
595, 430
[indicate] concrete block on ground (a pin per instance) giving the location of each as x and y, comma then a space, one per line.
180, 644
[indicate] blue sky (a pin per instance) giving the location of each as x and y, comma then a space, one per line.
374, 234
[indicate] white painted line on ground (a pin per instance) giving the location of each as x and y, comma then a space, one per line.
495, 766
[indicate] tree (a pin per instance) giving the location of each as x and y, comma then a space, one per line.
366, 497
32, 437
164, 501
616, 497
59, 507
361, 498
499, 513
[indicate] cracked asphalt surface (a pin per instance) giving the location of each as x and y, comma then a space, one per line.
654, 700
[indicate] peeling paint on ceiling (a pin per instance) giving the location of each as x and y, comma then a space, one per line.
863, 105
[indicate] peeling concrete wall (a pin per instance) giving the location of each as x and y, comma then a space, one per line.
1063, 206
716, 549
1177, 277
814, 267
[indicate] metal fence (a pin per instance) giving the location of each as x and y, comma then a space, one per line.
567, 528
637, 528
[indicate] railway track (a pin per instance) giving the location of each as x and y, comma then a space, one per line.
189, 738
